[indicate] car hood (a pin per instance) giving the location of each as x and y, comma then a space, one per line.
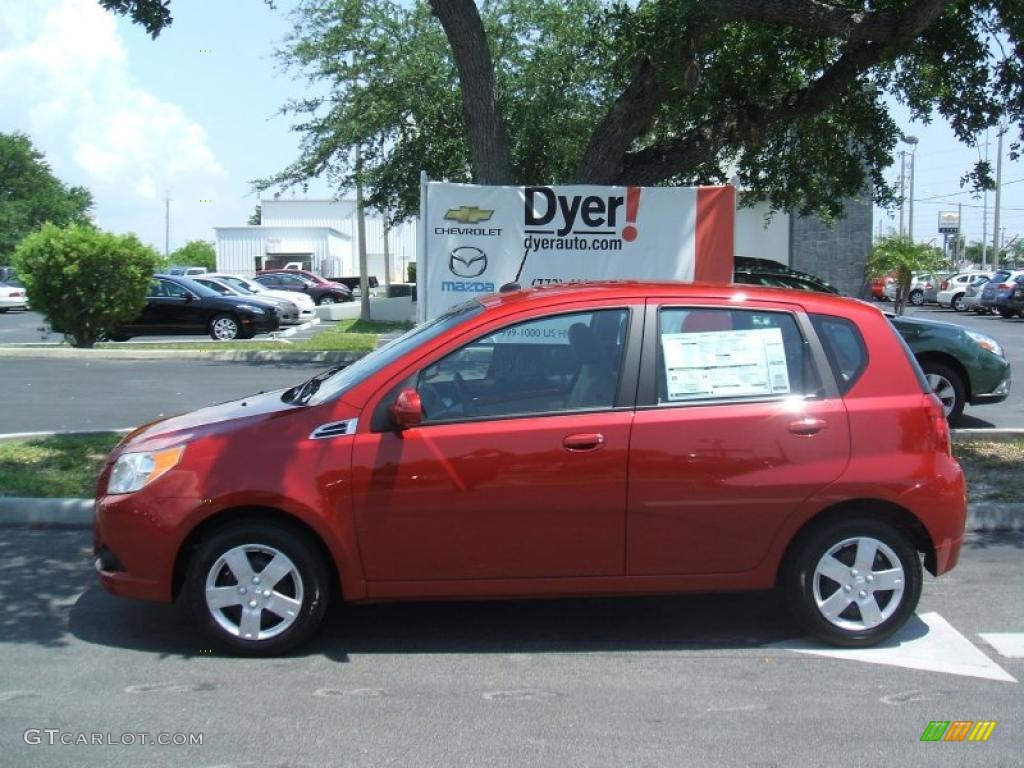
214, 419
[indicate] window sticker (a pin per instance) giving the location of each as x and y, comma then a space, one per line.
725, 364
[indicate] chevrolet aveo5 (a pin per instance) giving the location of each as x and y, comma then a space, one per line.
597, 439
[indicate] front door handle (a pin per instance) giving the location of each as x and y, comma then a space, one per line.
589, 441
807, 426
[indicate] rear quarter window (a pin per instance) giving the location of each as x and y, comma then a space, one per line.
845, 348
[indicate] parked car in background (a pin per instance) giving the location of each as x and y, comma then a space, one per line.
352, 283
932, 284
954, 288
972, 296
751, 271
180, 305
186, 271
612, 439
7, 273
322, 292
878, 285
918, 285
1014, 305
997, 291
962, 366
312, 276
287, 312
305, 304
12, 295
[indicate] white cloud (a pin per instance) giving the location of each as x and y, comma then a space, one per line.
66, 81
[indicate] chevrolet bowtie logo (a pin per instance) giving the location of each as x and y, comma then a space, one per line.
468, 214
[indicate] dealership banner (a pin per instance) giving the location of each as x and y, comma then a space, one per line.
474, 239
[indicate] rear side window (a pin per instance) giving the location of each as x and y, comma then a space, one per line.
844, 347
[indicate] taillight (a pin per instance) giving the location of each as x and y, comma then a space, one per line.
1006, 285
944, 286
940, 426
927, 286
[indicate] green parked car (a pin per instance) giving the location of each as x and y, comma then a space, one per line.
962, 366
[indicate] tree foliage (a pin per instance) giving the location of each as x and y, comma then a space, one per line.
196, 253
902, 257
790, 96
86, 282
31, 195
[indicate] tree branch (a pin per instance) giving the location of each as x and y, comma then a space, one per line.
485, 129
702, 144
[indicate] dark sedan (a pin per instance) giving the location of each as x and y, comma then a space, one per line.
179, 305
324, 292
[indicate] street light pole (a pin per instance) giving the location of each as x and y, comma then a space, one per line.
912, 141
903, 186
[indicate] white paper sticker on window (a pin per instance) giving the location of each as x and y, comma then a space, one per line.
725, 364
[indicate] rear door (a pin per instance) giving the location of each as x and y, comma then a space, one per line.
735, 427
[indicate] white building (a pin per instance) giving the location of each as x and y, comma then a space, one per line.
322, 235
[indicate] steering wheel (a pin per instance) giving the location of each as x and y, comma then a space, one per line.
462, 392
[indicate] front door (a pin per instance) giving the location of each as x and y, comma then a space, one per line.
519, 469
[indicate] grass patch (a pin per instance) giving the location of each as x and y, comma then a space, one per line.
993, 469
54, 466
343, 336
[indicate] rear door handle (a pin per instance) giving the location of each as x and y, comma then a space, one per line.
807, 426
588, 441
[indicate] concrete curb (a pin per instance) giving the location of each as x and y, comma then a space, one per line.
63, 433
983, 516
233, 355
986, 435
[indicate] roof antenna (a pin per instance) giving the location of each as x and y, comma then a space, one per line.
510, 287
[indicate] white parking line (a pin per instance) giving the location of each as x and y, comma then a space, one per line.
1008, 644
928, 642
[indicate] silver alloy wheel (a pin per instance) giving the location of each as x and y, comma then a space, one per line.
254, 592
225, 328
917, 298
328, 300
944, 390
850, 578
958, 303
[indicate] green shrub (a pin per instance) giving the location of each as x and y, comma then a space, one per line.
410, 269
86, 282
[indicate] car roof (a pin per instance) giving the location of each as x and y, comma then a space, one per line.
812, 301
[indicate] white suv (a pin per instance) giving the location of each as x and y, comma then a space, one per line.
955, 288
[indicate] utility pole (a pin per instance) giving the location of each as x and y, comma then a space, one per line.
984, 217
364, 284
912, 141
999, 188
959, 230
167, 226
903, 180
387, 256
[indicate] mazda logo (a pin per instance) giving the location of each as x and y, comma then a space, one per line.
467, 261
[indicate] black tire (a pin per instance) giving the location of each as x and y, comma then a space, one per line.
307, 582
3, 309
1006, 314
804, 585
118, 337
327, 299
916, 297
221, 328
948, 386
958, 303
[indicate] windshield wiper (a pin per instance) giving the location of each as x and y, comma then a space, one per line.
302, 392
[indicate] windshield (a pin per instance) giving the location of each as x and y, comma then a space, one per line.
353, 374
197, 288
241, 285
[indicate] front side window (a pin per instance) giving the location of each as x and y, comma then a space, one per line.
560, 363
710, 354
172, 290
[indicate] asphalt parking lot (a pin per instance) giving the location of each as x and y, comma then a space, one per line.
708, 680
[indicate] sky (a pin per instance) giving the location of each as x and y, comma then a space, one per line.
192, 116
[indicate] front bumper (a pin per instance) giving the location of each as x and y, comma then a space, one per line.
260, 323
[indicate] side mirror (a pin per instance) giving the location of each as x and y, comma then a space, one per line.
189, 296
407, 410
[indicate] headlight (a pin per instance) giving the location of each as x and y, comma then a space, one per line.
251, 308
985, 342
133, 471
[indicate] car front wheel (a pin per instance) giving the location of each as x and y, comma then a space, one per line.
258, 588
1006, 314
854, 583
327, 300
224, 328
916, 298
948, 386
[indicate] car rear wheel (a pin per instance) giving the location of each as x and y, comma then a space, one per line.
1006, 314
958, 303
257, 588
854, 583
224, 328
948, 386
916, 297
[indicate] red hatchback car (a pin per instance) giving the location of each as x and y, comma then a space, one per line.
596, 439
